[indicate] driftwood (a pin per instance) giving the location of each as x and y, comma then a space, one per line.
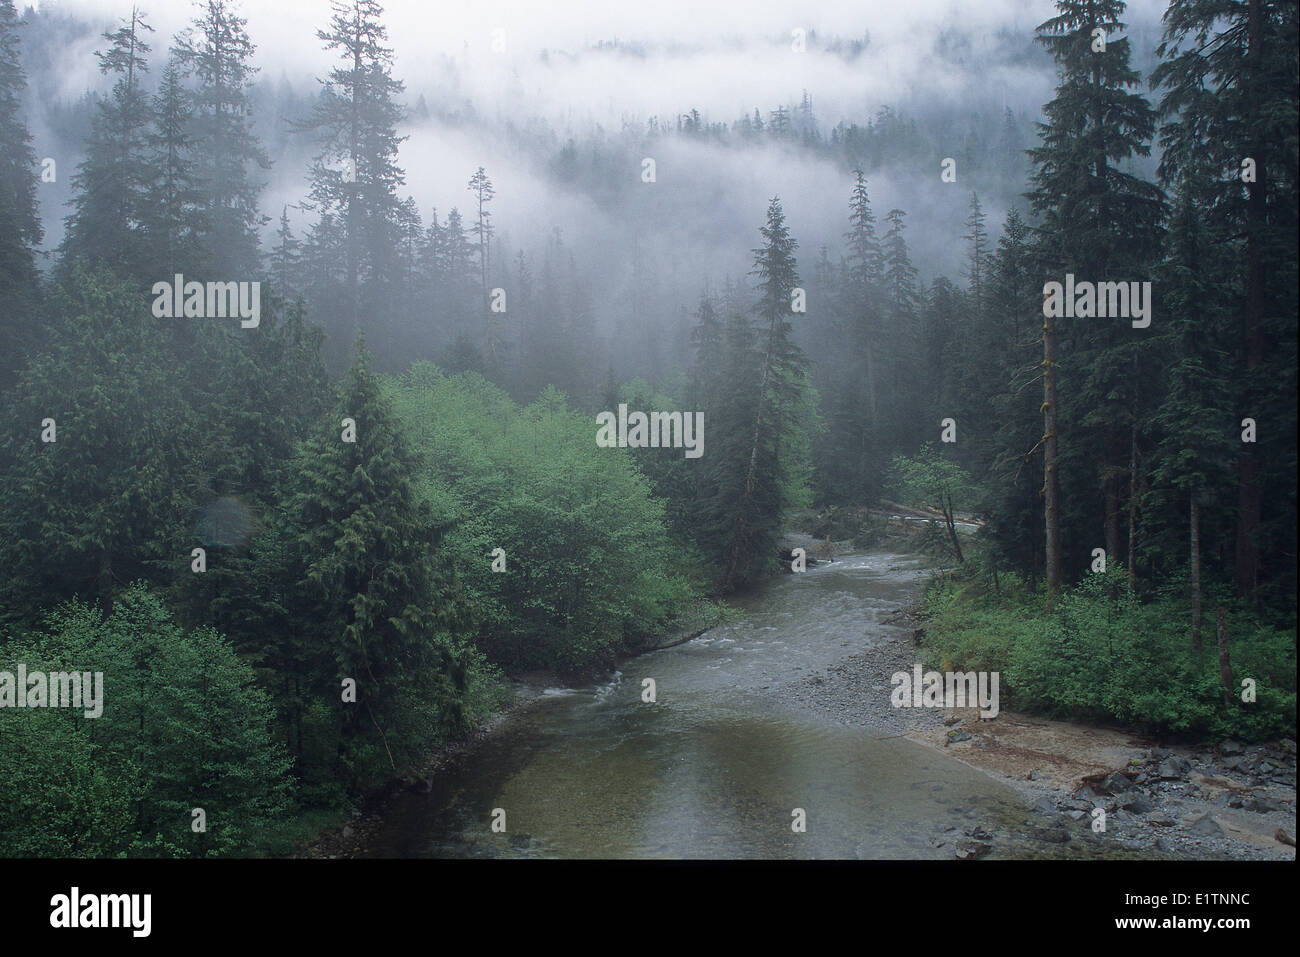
682, 641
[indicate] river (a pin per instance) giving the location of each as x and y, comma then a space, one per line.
716, 766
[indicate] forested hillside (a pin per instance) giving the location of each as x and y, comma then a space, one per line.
308, 468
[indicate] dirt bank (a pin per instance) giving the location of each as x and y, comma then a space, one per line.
1220, 801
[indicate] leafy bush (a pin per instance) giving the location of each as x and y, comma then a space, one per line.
1103, 656
589, 561
183, 726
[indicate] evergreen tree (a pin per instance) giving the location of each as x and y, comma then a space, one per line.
757, 501
1101, 223
481, 186
20, 225
109, 498
355, 176
1230, 106
176, 220
217, 52
286, 258
111, 206
370, 591
1194, 417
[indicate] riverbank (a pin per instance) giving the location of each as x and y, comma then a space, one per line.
1229, 801
1164, 802
352, 838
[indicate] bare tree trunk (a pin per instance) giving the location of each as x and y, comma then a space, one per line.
1225, 669
1132, 507
1249, 506
1112, 514
871, 384
952, 528
1051, 479
1195, 559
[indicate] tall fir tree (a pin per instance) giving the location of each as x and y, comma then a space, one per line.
217, 53
758, 497
355, 176
110, 208
20, 224
1230, 107
1100, 223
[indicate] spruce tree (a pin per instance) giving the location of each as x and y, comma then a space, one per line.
372, 590
1100, 223
20, 225
1230, 105
217, 53
355, 176
111, 204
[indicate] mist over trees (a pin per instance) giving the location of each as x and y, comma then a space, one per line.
318, 498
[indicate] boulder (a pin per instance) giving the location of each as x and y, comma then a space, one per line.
972, 850
1115, 783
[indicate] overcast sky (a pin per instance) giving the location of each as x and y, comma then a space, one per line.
724, 57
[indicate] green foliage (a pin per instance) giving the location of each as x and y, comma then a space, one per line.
183, 726
110, 499
367, 595
20, 224
929, 481
589, 564
1106, 657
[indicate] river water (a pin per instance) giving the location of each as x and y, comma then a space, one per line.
716, 766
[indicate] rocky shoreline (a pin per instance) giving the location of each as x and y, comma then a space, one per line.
1180, 801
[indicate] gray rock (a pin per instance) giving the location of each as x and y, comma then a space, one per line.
1050, 835
1161, 819
972, 850
1077, 815
1203, 824
1138, 804
1173, 767
1230, 747
1046, 805
1115, 783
